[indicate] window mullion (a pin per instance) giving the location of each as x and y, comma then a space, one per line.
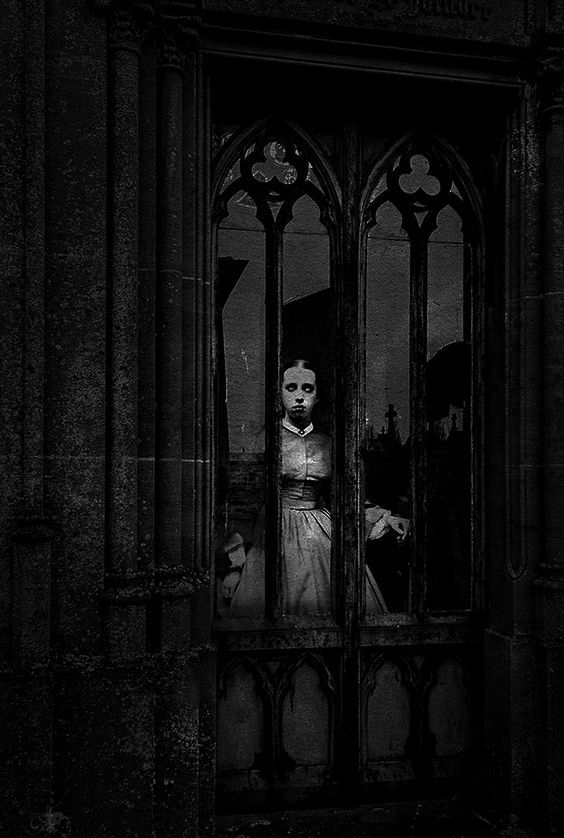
347, 450
418, 359
273, 337
470, 418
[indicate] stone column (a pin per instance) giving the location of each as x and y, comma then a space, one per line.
30, 700
198, 495
177, 661
146, 296
512, 392
347, 462
550, 582
32, 547
124, 596
172, 586
190, 283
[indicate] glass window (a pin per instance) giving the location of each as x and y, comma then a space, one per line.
274, 384
417, 456
240, 452
283, 515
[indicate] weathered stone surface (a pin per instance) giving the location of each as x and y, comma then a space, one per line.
106, 352
481, 20
11, 295
76, 317
177, 747
104, 740
421, 820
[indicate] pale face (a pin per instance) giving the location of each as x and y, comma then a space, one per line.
299, 395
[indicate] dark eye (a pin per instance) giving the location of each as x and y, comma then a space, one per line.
307, 388
290, 387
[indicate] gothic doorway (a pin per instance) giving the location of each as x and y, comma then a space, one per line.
349, 276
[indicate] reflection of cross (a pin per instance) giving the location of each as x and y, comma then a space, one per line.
390, 415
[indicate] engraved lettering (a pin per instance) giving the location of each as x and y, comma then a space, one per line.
466, 9
479, 10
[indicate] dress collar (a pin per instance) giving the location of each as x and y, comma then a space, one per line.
297, 431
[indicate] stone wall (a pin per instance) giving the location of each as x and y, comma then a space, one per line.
107, 671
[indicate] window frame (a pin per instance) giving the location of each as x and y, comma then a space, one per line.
345, 217
448, 165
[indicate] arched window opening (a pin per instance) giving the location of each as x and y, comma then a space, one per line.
276, 250
420, 246
346, 523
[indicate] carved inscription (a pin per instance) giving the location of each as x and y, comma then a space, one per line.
467, 9
478, 10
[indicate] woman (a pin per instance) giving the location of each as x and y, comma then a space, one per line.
306, 523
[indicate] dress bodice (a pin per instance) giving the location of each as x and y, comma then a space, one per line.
305, 457
306, 463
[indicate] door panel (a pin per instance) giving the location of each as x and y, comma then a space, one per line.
284, 707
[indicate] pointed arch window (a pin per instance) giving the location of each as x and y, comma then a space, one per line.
420, 240
276, 223
390, 519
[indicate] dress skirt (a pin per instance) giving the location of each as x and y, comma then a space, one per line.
305, 569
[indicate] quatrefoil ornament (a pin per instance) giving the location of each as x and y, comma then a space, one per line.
419, 182
274, 169
419, 178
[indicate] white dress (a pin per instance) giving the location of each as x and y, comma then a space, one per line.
306, 536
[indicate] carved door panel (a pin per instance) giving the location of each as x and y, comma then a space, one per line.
346, 574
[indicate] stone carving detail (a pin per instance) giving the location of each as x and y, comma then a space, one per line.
169, 52
274, 683
418, 678
51, 823
303, 639
125, 30
127, 22
479, 10
189, 29
175, 41
469, 10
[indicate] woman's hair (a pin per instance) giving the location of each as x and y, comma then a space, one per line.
301, 363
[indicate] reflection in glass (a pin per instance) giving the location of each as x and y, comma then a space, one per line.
445, 303
386, 453
448, 570
306, 294
274, 165
240, 477
387, 323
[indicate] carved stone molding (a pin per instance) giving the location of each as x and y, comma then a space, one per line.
128, 21
550, 82
176, 39
125, 587
177, 583
33, 529
189, 29
170, 55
